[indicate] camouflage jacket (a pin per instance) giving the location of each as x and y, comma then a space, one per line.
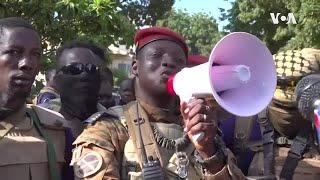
105, 149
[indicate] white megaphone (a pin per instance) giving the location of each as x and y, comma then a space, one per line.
240, 74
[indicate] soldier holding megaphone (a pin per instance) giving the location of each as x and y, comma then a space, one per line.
241, 77
153, 138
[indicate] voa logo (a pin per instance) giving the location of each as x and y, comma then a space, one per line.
290, 19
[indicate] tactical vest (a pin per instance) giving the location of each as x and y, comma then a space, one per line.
32, 146
248, 145
164, 151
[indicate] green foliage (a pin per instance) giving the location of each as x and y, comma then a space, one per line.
104, 22
145, 12
307, 31
36, 88
200, 30
253, 16
64, 20
119, 75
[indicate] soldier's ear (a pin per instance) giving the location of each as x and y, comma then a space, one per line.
135, 67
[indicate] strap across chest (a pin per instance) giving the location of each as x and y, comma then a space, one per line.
139, 129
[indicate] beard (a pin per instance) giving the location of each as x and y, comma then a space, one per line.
13, 97
14, 91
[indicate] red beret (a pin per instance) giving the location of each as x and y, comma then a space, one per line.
145, 36
194, 60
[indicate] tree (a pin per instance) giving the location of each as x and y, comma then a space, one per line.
64, 20
253, 16
307, 31
200, 30
145, 12
119, 76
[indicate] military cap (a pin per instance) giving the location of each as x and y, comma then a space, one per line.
148, 35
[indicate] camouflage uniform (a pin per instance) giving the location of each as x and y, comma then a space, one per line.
108, 149
25, 149
75, 124
46, 94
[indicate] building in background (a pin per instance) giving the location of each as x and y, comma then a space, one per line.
121, 58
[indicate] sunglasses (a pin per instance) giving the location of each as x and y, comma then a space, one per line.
78, 68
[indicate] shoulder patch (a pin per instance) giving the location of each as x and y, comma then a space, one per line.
105, 133
53, 104
88, 164
50, 118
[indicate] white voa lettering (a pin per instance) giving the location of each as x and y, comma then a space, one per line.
291, 19
275, 19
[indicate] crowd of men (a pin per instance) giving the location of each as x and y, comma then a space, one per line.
76, 129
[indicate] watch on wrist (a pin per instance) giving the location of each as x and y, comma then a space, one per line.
219, 157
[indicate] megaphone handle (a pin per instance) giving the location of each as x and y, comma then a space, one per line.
198, 137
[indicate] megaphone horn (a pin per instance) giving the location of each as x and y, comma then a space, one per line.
240, 74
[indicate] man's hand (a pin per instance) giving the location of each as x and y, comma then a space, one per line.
197, 118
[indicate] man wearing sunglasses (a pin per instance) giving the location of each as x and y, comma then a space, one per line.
32, 139
78, 82
152, 139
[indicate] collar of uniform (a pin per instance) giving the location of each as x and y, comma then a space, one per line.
5, 112
55, 105
100, 107
18, 119
157, 114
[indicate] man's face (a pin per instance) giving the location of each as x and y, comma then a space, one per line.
84, 85
79, 55
127, 95
20, 54
156, 62
105, 95
126, 91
